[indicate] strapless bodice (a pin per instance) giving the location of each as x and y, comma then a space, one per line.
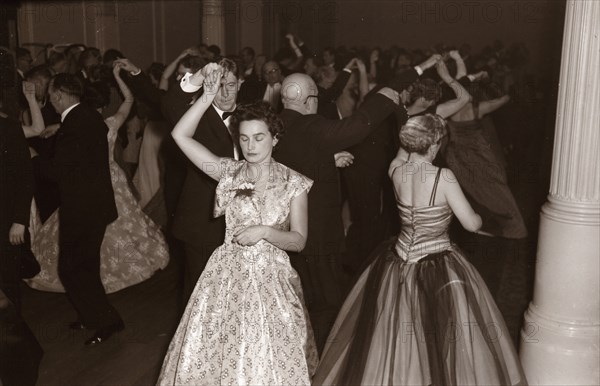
424, 230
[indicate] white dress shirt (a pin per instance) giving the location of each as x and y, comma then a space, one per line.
273, 95
227, 123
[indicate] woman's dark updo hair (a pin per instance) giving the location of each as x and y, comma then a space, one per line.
422, 131
257, 111
97, 94
426, 88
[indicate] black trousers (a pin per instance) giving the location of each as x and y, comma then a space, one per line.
79, 272
19, 349
10, 278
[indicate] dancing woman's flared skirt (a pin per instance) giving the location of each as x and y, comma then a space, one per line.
432, 322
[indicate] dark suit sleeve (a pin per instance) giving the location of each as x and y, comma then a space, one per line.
175, 103
306, 52
23, 175
251, 91
337, 135
143, 89
332, 93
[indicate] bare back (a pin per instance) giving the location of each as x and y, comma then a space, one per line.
415, 183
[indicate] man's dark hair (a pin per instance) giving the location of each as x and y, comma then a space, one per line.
68, 84
230, 66
89, 52
56, 57
215, 50
111, 55
97, 94
156, 70
249, 51
192, 62
39, 72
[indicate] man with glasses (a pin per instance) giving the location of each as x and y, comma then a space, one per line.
308, 146
268, 89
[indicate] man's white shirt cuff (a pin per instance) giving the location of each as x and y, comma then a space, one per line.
186, 84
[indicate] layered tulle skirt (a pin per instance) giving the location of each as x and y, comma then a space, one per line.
432, 322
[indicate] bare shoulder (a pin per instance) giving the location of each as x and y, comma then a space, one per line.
395, 164
448, 179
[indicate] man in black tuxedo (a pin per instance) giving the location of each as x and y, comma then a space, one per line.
370, 193
16, 192
87, 205
194, 223
268, 89
308, 146
19, 349
172, 105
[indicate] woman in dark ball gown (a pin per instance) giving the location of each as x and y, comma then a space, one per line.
420, 314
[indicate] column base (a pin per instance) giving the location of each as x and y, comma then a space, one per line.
560, 339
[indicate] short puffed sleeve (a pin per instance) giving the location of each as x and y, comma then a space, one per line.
298, 183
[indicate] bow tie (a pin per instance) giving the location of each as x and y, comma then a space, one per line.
226, 114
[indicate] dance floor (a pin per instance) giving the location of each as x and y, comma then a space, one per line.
150, 311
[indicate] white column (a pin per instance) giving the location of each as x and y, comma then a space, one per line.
213, 23
561, 336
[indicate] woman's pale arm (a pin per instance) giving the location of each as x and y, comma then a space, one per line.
293, 240
184, 130
463, 97
461, 69
37, 121
163, 84
363, 80
463, 211
123, 111
487, 107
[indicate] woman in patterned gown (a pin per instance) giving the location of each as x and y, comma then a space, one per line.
246, 322
133, 247
420, 314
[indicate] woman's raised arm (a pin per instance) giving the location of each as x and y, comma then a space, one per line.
37, 121
184, 130
123, 111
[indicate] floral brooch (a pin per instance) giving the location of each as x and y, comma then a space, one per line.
245, 190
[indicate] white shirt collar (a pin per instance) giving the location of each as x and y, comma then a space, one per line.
227, 121
218, 110
64, 113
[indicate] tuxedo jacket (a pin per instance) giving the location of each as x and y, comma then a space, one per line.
194, 221
328, 96
81, 170
384, 140
308, 146
16, 177
252, 90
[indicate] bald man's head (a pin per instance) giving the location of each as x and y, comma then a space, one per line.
299, 92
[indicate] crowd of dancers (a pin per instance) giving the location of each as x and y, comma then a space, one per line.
282, 186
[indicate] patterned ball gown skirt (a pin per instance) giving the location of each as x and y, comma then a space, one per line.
246, 323
420, 314
133, 248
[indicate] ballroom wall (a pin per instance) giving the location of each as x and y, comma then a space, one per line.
157, 30
424, 23
148, 31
